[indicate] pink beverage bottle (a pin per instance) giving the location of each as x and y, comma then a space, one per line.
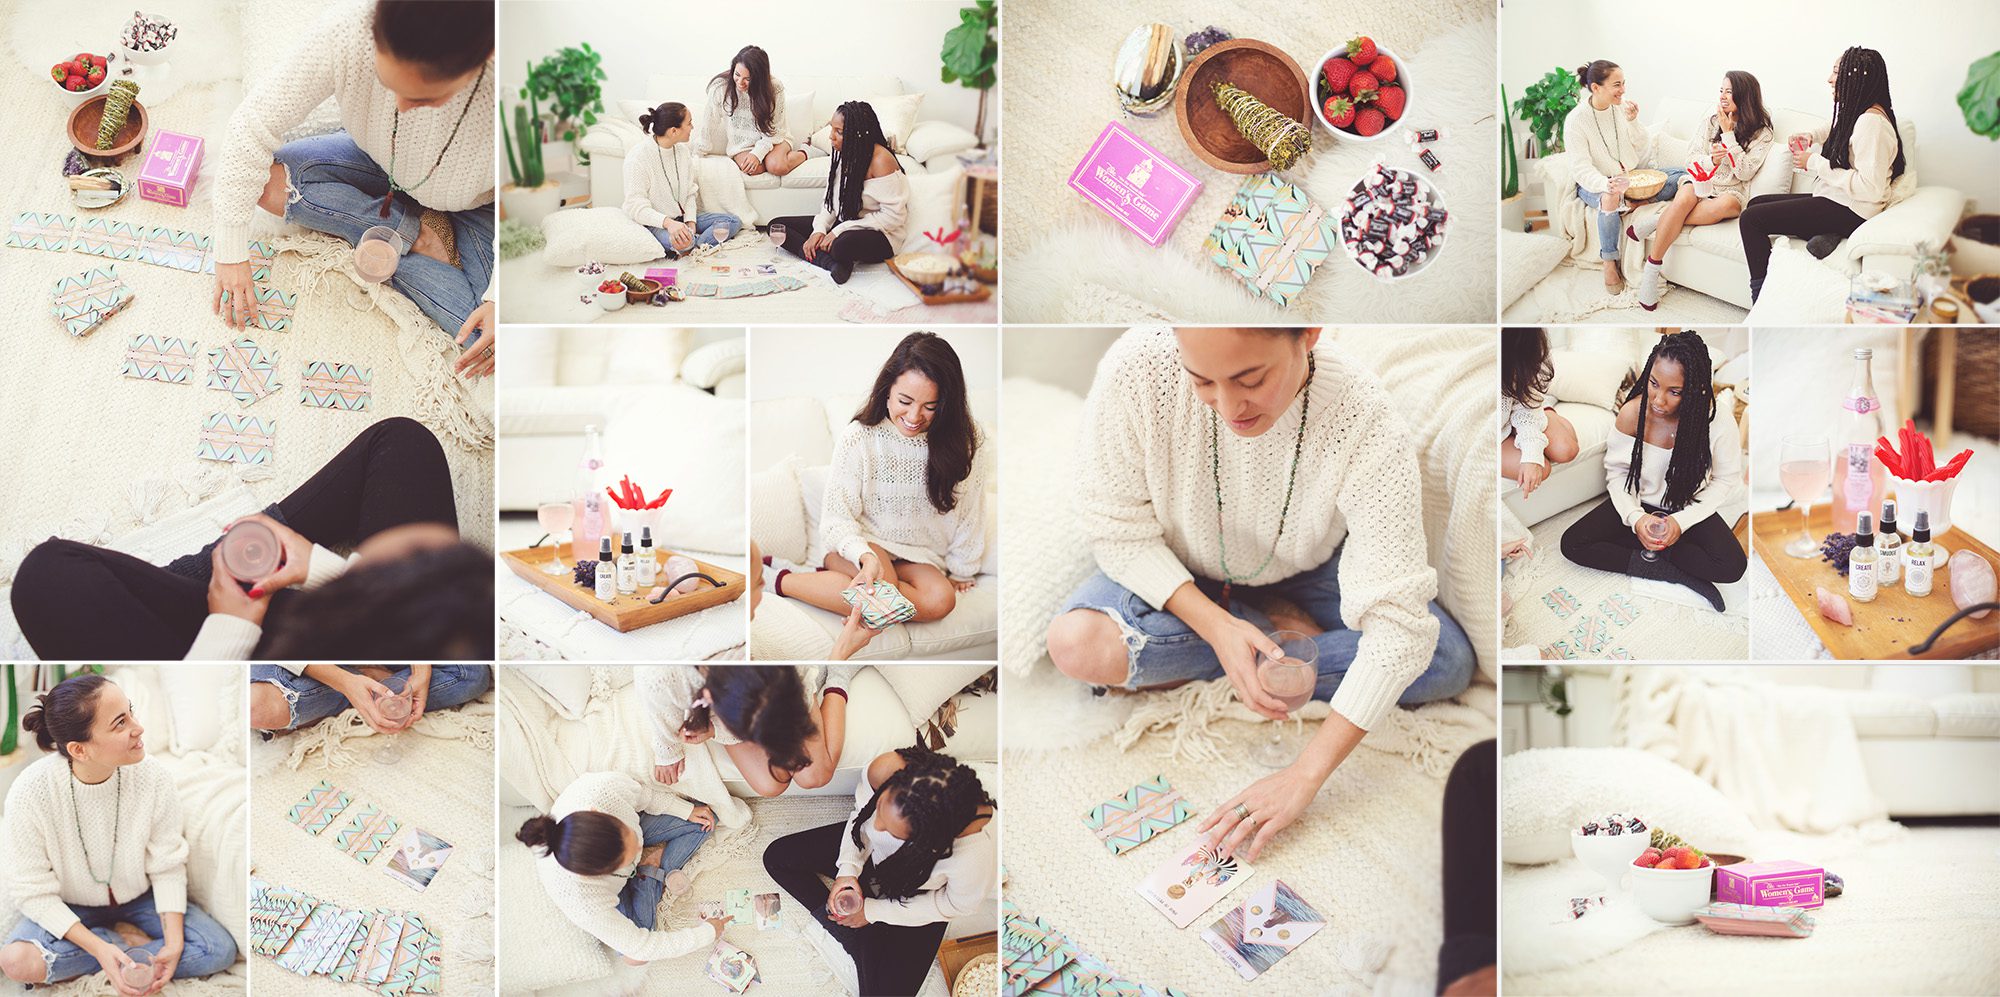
592, 516
1858, 474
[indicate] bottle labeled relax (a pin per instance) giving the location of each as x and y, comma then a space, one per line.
649, 561
1889, 544
1862, 561
1919, 557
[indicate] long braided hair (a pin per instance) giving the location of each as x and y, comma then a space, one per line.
763, 96
1861, 81
938, 796
1688, 469
860, 133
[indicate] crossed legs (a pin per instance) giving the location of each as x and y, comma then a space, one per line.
926, 587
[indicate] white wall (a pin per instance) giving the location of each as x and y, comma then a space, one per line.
1790, 48
840, 38
820, 362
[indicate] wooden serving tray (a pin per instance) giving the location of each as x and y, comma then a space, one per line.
625, 613
938, 299
1259, 68
1895, 621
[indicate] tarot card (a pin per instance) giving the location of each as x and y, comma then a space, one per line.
736, 903
733, 291
1192, 881
316, 810
417, 858
721, 271
1133, 817
708, 909
787, 282
731, 966
746, 272
702, 290
767, 269
767, 907
1256, 933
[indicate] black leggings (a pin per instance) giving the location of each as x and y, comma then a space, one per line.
1801, 215
76, 602
890, 960
1471, 856
863, 245
1601, 540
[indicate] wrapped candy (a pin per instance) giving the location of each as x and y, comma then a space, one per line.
147, 32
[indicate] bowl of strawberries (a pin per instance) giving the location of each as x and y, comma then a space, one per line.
1669, 883
1361, 90
81, 76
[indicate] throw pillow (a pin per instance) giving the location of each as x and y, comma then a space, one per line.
930, 139
1525, 259
1591, 377
566, 688
580, 235
923, 688
1547, 792
777, 516
799, 115
708, 365
933, 203
898, 114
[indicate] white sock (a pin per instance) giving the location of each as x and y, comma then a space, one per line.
1645, 227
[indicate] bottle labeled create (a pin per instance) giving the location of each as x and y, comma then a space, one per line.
1862, 560
1888, 544
607, 574
1919, 557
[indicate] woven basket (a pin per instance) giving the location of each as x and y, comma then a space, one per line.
1976, 385
1645, 184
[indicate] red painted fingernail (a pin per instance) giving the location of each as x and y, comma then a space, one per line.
257, 593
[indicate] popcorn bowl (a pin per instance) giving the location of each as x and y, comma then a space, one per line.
1609, 855
1671, 896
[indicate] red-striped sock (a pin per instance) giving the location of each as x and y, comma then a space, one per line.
778, 583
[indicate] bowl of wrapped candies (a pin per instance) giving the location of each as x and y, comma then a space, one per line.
1609, 844
1392, 223
145, 39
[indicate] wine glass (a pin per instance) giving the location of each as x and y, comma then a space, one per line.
1290, 680
376, 256
1805, 468
139, 975
555, 517
677, 883
1656, 527
395, 707
844, 902
777, 234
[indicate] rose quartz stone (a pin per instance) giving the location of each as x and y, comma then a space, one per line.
1971, 581
1833, 606
679, 565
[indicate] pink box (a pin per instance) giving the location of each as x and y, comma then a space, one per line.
1133, 183
665, 275
1781, 883
173, 163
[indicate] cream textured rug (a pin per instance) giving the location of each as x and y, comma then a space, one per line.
1575, 293
111, 453
1068, 262
1571, 611
1365, 854
444, 785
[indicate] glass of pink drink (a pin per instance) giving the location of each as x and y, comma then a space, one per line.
139, 975
844, 902
395, 708
555, 518
376, 256
1289, 680
1805, 468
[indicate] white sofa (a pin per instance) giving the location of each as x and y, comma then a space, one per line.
1709, 258
794, 439
931, 144
1589, 364
561, 721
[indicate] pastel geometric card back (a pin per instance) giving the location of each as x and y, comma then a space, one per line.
1133, 818
316, 811
1271, 237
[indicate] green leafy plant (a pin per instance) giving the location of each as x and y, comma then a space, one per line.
525, 167
971, 54
1979, 100
1545, 104
10, 735
1554, 689
1510, 167
571, 81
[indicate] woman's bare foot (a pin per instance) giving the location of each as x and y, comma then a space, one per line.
1614, 280
428, 244
650, 855
1286, 615
134, 938
376, 672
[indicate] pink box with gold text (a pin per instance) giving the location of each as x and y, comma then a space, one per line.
173, 163
1133, 183
1779, 883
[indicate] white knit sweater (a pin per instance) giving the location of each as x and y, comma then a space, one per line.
223, 637
1725, 473
728, 134
1734, 173
875, 494
1871, 148
1147, 500
131, 837
1530, 425
591, 902
668, 692
337, 59
660, 183
1610, 145
959, 883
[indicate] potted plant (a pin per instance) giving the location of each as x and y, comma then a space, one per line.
1513, 210
971, 55
532, 195
571, 81
1543, 106
1975, 243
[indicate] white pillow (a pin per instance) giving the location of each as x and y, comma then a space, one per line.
799, 113
192, 694
708, 365
641, 355
923, 688
784, 630
898, 114
531, 357
812, 492
777, 517
630, 110
1525, 259
685, 439
563, 952
721, 189
1590, 377
930, 139
566, 688
580, 235
933, 198
1546, 792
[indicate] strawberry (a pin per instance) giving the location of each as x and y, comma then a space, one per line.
1339, 112
1361, 49
1369, 121
1692, 861
84, 59
1650, 856
1337, 72
1383, 67
1392, 100
95, 76
76, 84
58, 73
1363, 86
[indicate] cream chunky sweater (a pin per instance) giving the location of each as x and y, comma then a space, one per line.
591, 902
1611, 145
1732, 178
885, 207
660, 183
958, 884
1725, 473
875, 494
668, 692
1530, 426
131, 837
728, 134
1147, 500
1865, 188
338, 60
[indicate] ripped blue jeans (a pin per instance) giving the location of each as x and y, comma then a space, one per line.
1162, 649
312, 700
206, 947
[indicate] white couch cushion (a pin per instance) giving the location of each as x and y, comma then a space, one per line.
1547, 792
1588, 376
708, 365
1889, 714
1525, 259
931, 139
682, 438
565, 688
1968, 714
777, 514
576, 236
923, 688
796, 426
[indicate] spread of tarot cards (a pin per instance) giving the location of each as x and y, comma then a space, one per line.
1392, 223
1192, 881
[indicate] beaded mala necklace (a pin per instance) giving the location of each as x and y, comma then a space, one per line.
396, 125
1229, 579
117, 818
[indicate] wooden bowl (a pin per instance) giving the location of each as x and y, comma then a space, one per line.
83, 123
1259, 68
649, 287
1645, 184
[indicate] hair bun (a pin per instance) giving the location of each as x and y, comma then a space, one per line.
536, 832
646, 119
1583, 74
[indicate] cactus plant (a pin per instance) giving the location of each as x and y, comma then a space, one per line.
1510, 167
526, 166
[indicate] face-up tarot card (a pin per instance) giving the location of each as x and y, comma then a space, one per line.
1192, 881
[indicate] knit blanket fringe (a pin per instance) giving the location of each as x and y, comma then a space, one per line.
333, 741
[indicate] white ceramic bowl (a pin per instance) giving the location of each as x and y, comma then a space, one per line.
1402, 79
77, 96
610, 302
1933, 497
1436, 199
1608, 855
1671, 896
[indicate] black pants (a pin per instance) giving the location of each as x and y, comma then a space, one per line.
76, 602
863, 245
1471, 857
890, 960
1707, 551
1801, 215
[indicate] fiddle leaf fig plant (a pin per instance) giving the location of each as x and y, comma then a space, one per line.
1545, 104
1979, 100
571, 84
971, 54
